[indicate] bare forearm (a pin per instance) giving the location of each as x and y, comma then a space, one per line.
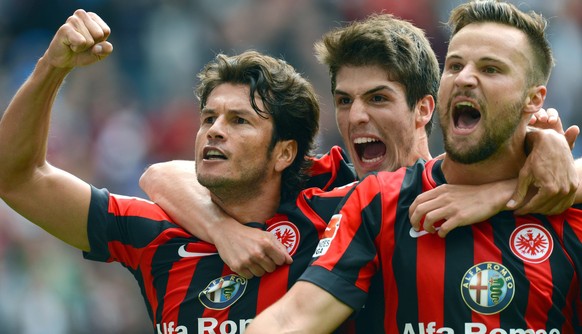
25, 124
26, 179
292, 314
173, 185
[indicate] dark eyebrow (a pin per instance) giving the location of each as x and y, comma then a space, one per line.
205, 111
369, 91
237, 112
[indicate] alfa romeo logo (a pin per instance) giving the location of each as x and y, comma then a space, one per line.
487, 288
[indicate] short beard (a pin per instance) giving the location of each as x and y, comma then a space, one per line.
247, 186
492, 140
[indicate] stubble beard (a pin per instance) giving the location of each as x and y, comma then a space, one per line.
493, 139
242, 187
230, 189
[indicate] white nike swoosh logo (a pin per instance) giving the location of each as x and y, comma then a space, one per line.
184, 253
416, 234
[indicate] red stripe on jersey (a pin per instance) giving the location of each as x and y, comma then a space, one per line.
179, 279
273, 286
535, 314
146, 260
148, 281
371, 185
124, 254
573, 217
391, 295
573, 302
120, 205
431, 269
389, 185
141, 258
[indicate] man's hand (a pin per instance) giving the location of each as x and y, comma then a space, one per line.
450, 206
81, 41
549, 119
549, 169
249, 251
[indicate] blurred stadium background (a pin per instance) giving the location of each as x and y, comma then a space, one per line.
137, 107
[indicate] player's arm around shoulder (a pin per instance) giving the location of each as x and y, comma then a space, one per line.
306, 308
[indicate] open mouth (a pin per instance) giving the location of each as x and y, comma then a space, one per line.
213, 154
466, 115
369, 150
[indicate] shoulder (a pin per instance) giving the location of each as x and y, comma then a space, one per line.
127, 206
331, 169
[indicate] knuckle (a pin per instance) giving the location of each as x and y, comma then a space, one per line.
98, 35
421, 209
429, 217
551, 190
256, 253
462, 216
238, 268
445, 228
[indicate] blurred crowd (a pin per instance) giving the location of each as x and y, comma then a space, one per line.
115, 118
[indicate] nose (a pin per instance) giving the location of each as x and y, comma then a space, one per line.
217, 129
466, 77
358, 112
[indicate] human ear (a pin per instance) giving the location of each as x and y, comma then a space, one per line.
423, 111
285, 153
535, 99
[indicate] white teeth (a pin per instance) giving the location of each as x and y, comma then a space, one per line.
376, 159
465, 104
214, 154
363, 140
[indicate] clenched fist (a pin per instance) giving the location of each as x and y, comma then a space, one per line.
81, 41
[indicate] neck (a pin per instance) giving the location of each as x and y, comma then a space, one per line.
422, 148
251, 204
502, 165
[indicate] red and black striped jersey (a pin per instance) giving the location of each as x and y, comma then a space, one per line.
509, 274
186, 286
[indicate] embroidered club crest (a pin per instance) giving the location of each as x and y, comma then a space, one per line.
287, 233
487, 288
531, 243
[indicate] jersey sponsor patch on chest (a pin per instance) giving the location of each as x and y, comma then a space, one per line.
470, 328
487, 288
287, 233
222, 292
532, 243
